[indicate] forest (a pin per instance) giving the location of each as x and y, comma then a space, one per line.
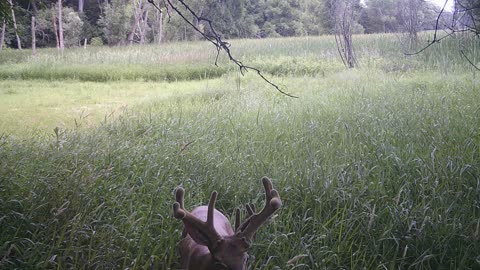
121, 22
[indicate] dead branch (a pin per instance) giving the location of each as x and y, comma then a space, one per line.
435, 39
469, 61
465, 11
215, 39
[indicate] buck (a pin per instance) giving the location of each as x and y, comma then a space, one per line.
209, 242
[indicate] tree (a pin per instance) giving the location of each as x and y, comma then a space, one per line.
4, 11
115, 22
2, 35
137, 13
47, 31
72, 25
60, 25
227, 16
345, 13
467, 15
34, 41
14, 21
411, 21
465, 20
274, 18
216, 40
92, 9
158, 26
55, 28
311, 17
81, 4
380, 16
33, 28
139, 22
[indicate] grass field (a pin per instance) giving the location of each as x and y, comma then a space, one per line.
378, 167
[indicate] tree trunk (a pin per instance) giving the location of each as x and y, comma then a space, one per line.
143, 27
19, 44
34, 40
34, 28
344, 10
196, 23
411, 22
81, 4
55, 30
131, 34
137, 14
2, 37
351, 61
159, 22
60, 26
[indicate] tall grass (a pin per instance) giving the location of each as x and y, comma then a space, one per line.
195, 61
377, 168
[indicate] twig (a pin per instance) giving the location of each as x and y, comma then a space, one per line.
435, 40
217, 40
455, 21
469, 61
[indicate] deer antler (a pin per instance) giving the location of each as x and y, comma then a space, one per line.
254, 221
206, 228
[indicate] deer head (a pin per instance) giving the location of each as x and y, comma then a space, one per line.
210, 242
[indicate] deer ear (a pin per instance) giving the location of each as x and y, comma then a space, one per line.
197, 235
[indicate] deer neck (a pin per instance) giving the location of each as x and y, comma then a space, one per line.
197, 257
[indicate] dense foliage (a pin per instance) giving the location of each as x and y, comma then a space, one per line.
118, 22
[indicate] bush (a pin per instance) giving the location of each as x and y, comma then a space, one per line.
96, 41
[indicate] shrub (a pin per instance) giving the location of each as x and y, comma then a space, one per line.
96, 41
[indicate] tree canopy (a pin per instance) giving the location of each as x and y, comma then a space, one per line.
120, 22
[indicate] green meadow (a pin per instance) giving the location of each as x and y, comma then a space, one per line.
378, 167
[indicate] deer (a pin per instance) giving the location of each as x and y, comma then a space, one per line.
209, 241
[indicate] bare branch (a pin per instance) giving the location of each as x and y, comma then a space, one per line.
345, 10
469, 61
435, 40
465, 12
216, 40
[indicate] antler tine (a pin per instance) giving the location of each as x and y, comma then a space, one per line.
179, 196
178, 206
250, 212
250, 209
211, 208
273, 202
237, 218
206, 227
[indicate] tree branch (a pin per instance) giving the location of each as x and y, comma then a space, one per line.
435, 40
469, 61
216, 40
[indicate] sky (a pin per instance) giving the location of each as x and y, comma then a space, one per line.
440, 3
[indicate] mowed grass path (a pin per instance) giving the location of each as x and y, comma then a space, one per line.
377, 167
39, 106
